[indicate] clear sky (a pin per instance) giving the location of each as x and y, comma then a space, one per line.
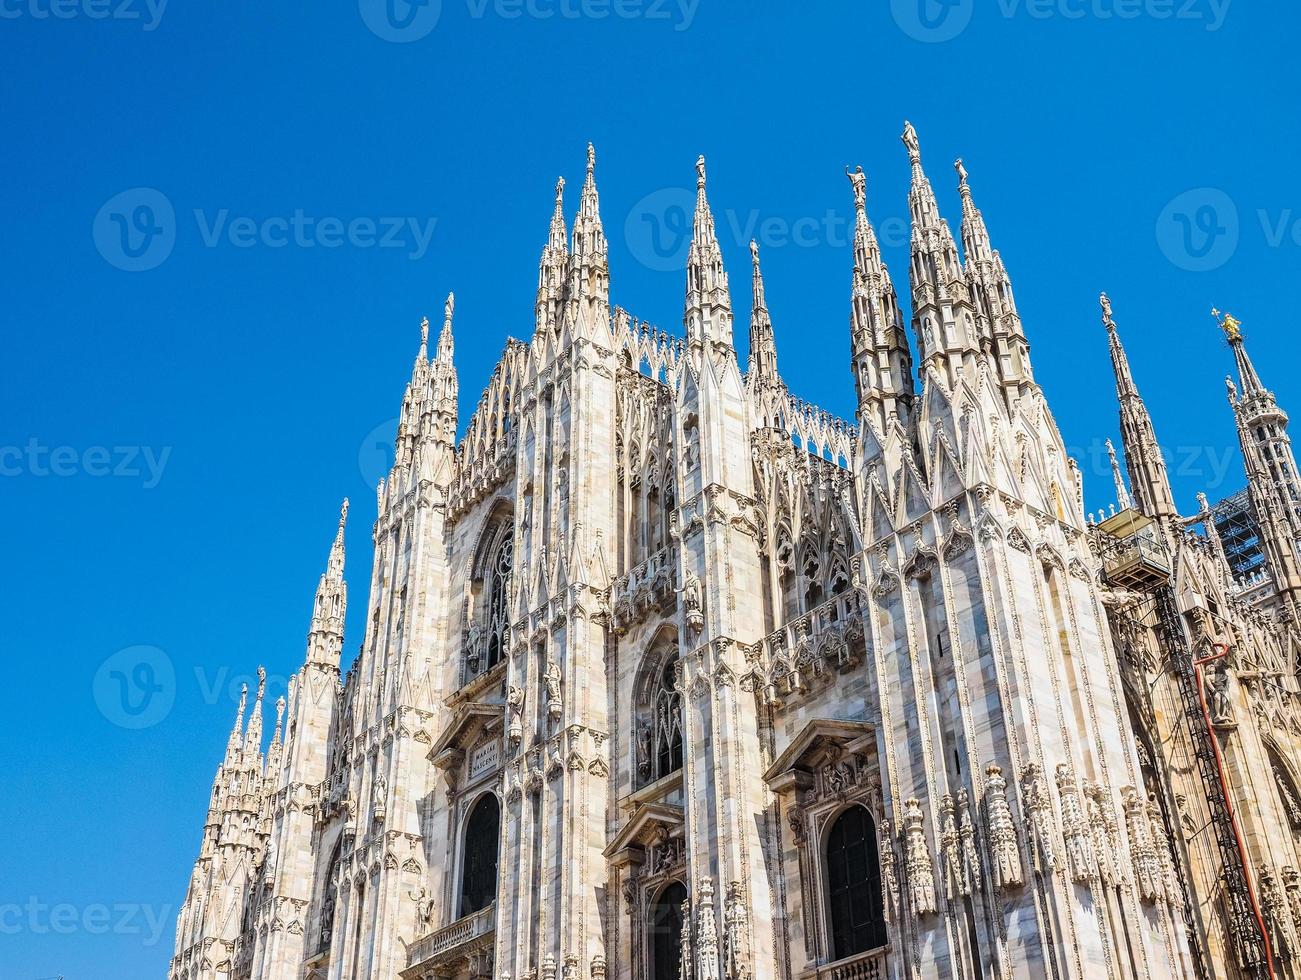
209, 310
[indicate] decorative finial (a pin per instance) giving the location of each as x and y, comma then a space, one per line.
591, 160
858, 180
700, 171
1105, 302
1230, 324
910, 141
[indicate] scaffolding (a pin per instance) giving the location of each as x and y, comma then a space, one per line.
1135, 558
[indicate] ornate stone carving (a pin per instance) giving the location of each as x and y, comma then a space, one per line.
707, 964
956, 883
918, 864
736, 920
1143, 859
1005, 853
1039, 819
1080, 860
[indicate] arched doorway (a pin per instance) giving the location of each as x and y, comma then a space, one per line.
855, 908
479, 857
666, 932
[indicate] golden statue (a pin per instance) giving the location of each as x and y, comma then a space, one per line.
1230, 324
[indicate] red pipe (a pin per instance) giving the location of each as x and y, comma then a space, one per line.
1228, 803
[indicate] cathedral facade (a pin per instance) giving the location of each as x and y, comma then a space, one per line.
671, 675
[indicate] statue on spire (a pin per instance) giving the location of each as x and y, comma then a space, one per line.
962, 172
591, 159
700, 171
1105, 301
910, 141
858, 180
1230, 324
754, 252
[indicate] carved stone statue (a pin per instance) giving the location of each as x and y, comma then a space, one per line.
858, 180
1218, 682
515, 708
1001, 831
917, 860
551, 677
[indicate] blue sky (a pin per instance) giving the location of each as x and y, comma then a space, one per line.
176, 439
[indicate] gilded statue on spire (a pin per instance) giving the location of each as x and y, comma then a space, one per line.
1230, 324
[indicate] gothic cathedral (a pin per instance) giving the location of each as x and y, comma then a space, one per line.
671, 675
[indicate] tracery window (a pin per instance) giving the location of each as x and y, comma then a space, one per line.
856, 911
659, 736
665, 938
498, 600
325, 933
487, 634
479, 856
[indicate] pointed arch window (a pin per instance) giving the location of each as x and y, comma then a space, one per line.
499, 599
479, 856
666, 921
668, 722
325, 931
659, 731
856, 911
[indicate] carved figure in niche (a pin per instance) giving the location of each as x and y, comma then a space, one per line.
551, 677
515, 707
692, 602
1217, 683
644, 750
735, 919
